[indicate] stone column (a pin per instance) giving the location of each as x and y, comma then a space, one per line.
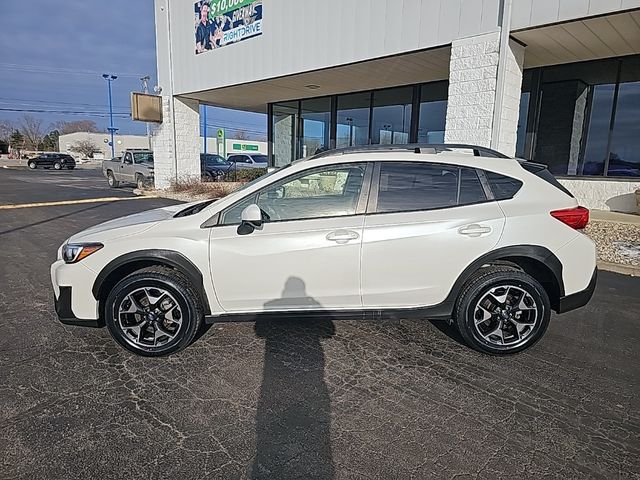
473, 87
176, 142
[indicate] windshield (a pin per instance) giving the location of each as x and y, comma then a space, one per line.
215, 160
262, 177
143, 157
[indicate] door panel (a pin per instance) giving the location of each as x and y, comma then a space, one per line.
293, 265
413, 258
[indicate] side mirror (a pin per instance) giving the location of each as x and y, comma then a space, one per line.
251, 219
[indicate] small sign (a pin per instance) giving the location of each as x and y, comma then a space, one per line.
146, 108
246, 147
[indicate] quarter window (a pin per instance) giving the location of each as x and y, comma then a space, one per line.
331, 191
503, 187
419, 186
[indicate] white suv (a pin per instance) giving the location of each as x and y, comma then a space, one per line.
491, 244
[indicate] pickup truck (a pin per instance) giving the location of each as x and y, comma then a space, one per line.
134, 166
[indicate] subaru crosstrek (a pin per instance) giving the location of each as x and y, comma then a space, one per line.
491, 244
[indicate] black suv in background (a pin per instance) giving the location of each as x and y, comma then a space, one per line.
56, 160
214, 166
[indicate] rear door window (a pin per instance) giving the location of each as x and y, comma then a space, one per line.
412, 186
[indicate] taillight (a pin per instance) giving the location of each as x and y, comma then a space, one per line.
576, 217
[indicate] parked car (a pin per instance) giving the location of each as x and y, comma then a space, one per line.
57, 161
134, 166
214, 166
492, 245
248, 160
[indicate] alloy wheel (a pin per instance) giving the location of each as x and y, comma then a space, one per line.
149, 317
506, 316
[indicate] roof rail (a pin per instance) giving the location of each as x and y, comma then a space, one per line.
477, 150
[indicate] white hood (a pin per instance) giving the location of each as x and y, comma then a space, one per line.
129, 225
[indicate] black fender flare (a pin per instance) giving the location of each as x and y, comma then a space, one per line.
169, 258
533, 252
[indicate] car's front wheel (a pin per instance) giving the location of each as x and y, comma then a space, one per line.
140, 182
111, 180
502, 310
154, 312
32, 165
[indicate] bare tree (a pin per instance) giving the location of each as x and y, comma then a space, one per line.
65, 127
31, 128
6, 129
241, 135
85, 147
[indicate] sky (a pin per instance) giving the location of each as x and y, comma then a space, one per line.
53, 55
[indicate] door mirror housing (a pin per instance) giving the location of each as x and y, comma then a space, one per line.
251, 219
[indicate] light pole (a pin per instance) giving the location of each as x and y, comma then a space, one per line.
112, 130
145, 89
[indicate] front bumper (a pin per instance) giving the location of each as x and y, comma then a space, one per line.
578, 299
65, 312
73, 298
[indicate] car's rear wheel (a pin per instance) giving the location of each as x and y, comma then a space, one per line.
154, 312
111, 180
502, 310
32, 165
71, 167
57, 166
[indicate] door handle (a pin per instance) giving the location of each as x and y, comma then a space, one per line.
342, 236
474, 230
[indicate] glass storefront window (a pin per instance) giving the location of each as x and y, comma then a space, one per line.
353, 119
595, 151
624, 156
433, 112
285, 116
315, 128
391, 122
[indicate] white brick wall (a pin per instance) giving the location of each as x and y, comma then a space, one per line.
176, 142
472, 89
617, 196
472, 92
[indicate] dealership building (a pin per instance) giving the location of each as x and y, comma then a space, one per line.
553, 81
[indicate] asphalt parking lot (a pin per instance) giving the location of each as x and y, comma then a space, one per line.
293, 399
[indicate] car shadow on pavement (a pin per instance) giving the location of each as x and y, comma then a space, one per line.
293, 416
449, 330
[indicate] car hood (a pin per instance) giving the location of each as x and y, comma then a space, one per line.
129, 225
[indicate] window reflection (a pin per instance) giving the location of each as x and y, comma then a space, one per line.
353, 120
315, 126
595, 152
391, 121
433, 112
284, 132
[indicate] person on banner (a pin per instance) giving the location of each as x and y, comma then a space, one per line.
203, 30
221, 24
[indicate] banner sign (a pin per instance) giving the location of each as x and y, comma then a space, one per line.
223, 22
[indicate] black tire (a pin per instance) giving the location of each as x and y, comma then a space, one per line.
32, 165
478, 287
71, 167
140, 182
57, 166
111, 180
169, 281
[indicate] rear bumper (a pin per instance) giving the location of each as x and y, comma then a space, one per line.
65, 313
578, 299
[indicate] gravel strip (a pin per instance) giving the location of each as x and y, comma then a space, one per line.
616, 242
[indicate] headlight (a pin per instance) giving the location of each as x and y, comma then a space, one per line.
74, 252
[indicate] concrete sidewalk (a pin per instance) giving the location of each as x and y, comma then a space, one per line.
607, 216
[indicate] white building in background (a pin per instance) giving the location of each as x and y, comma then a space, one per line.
122, 142
553, 81
101, 141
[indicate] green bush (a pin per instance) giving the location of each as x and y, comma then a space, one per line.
244, 174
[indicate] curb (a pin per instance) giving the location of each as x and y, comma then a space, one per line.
619, 268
